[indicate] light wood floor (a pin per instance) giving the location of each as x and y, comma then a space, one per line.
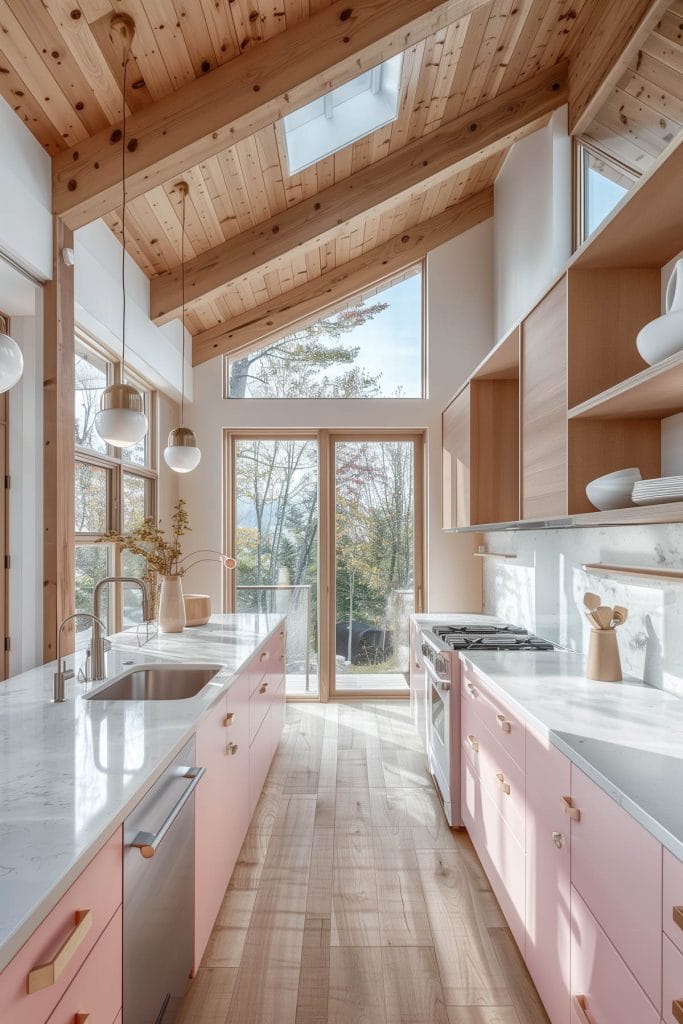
352, 902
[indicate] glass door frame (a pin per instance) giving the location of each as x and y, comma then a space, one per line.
328, 562
326, 440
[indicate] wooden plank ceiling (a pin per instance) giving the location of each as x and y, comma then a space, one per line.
61, 73
643, 113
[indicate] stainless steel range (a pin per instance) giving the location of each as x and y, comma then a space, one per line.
439, 651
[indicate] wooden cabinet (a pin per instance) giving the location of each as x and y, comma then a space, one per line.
481, 454
543, 393
36, 979
548, 930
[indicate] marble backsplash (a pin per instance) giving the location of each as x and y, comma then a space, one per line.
542, 589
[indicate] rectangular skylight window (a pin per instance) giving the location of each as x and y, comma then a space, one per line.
343, 115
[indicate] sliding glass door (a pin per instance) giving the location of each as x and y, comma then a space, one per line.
328, 530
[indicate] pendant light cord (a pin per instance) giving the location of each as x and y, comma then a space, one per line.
182, 279
123, 217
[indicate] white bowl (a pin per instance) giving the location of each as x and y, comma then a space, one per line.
613, 490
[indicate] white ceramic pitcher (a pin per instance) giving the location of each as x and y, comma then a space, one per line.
663, 337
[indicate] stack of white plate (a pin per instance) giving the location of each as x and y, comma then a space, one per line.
656, 492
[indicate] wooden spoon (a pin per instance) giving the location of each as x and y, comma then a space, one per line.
593, 621
591, 601
604, 615
620, 615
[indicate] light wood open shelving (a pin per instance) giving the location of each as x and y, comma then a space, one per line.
586, 403
654, 575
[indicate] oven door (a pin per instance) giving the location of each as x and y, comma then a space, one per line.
439, 732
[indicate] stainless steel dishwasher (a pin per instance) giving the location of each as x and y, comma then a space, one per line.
158, 892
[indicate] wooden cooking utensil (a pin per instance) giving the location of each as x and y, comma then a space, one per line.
620, 615
604, 615
591, 601
593, 621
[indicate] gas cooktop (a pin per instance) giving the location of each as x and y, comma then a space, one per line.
490, 638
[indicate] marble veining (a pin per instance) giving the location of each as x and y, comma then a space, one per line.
627, 737
71, 772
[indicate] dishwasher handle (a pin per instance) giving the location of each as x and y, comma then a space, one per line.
148, 842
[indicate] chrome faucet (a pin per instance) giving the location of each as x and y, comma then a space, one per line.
60, 675
97, 644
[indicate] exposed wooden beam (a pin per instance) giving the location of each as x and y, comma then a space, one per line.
58, 445
339, 284
234, 100
610, 39
457, 144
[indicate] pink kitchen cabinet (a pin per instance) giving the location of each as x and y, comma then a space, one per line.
672, 902
95, 993
74, 925
548, 928
603, 989
616, 866
672, 977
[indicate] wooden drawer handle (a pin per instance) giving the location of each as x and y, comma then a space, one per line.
472, 690
82, 1018
474, 743
233, 748
282, 634
568, 808
579, 1004
504, 786
228, 718
262, 689
264, 655
503, 723
47, 974
677, 1010
678, 916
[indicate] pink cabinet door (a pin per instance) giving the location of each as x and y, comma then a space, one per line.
260, 755
235, 790
672, 999
603, 989
616, 866
548, 932
95, 993
81, 915
672, 902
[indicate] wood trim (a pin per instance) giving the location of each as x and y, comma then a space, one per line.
460, 143
371, 268
326, 633
230, 103
58, 445
610, 39
642, 571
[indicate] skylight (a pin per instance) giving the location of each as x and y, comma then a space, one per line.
343, 115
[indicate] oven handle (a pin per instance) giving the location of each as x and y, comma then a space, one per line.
442, 684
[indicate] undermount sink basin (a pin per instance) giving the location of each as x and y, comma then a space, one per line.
158, 682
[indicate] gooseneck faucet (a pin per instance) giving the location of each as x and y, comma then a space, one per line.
98, 629
97, 645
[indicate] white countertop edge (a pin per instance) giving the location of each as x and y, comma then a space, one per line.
638, 813
27, 926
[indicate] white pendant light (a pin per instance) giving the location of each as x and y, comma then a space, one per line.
121, 421
11, 359
182, 454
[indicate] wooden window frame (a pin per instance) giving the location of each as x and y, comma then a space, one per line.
117, 468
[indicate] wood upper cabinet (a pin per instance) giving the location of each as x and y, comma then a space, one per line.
481, 454
544, 407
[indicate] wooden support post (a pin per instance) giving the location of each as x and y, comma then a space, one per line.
58, 445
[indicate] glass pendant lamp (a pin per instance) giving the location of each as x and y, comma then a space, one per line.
11, 359
121, 421
182, 454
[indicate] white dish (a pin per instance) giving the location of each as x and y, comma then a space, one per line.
613, 490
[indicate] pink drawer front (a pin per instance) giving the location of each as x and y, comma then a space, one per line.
500, 775
616, 867
95, 993
259, 704
505, 726
603, 989
672, 904
672, 976
260, 755
73, 926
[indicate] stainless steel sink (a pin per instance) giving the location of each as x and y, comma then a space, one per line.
158, 682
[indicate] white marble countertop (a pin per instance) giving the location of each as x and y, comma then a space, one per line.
72, 772
627, 737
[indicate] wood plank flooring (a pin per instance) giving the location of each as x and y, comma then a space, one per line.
352, 902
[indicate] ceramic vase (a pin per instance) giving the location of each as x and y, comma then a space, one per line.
663, 337
171, 605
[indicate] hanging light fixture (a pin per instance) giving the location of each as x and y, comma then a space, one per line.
121, 421
11, 359
182, 454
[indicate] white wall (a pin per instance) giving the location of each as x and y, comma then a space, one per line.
25, 196
459, 317
533, 218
